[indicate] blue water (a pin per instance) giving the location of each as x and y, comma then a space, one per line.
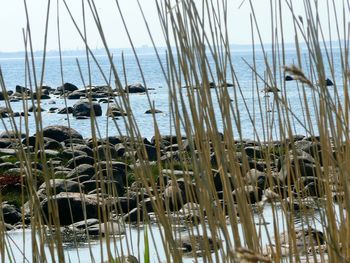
247, 100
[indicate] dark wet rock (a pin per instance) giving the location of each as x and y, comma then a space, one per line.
11, 135
151, 153
12, 152
254, 152
5, 142
6, 166
101, 229
82, 169
135, 88
68, 110
126, 204
115, 111
83, 148
41, 96
61, 133
85, 108
53, 145
10, 213
52, 109
106, 152
218, 183
35, 108
76, 95
67, 87
21, 89
111, 187
82, 159
48, 153
120, 149
61, 185
78, 203
329, 82
153, 111
111, 174
288, 78
69, 154
196, 244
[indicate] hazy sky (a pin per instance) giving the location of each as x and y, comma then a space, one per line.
13, 19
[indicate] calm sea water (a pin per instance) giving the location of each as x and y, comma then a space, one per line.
247, 100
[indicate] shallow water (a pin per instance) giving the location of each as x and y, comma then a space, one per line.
133, 240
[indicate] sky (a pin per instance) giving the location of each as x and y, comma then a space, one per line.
13, 20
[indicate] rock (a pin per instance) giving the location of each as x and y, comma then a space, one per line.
61, 133
85, 223
254, 152
196, 244
68, 110
76, 95
85, 108
21, 89
11, 135
10, 213
69, 154
288, 78
106, 152
5, 142
110, 228
78, 203
53, 145
135, 88
329, 82
61, 185
76, 161
84, 148
82, 169
151, 152
35, 108
153, 111
115, 111
112, 174
110, 187
67, 87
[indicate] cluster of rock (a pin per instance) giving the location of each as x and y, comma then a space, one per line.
94, 179
88, 105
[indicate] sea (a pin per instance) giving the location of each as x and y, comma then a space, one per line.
255, 107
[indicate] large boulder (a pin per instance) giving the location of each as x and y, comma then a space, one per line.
78, 203
61, 133
61, 185
85, 107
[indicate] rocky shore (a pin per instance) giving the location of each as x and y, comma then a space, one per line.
95, 179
